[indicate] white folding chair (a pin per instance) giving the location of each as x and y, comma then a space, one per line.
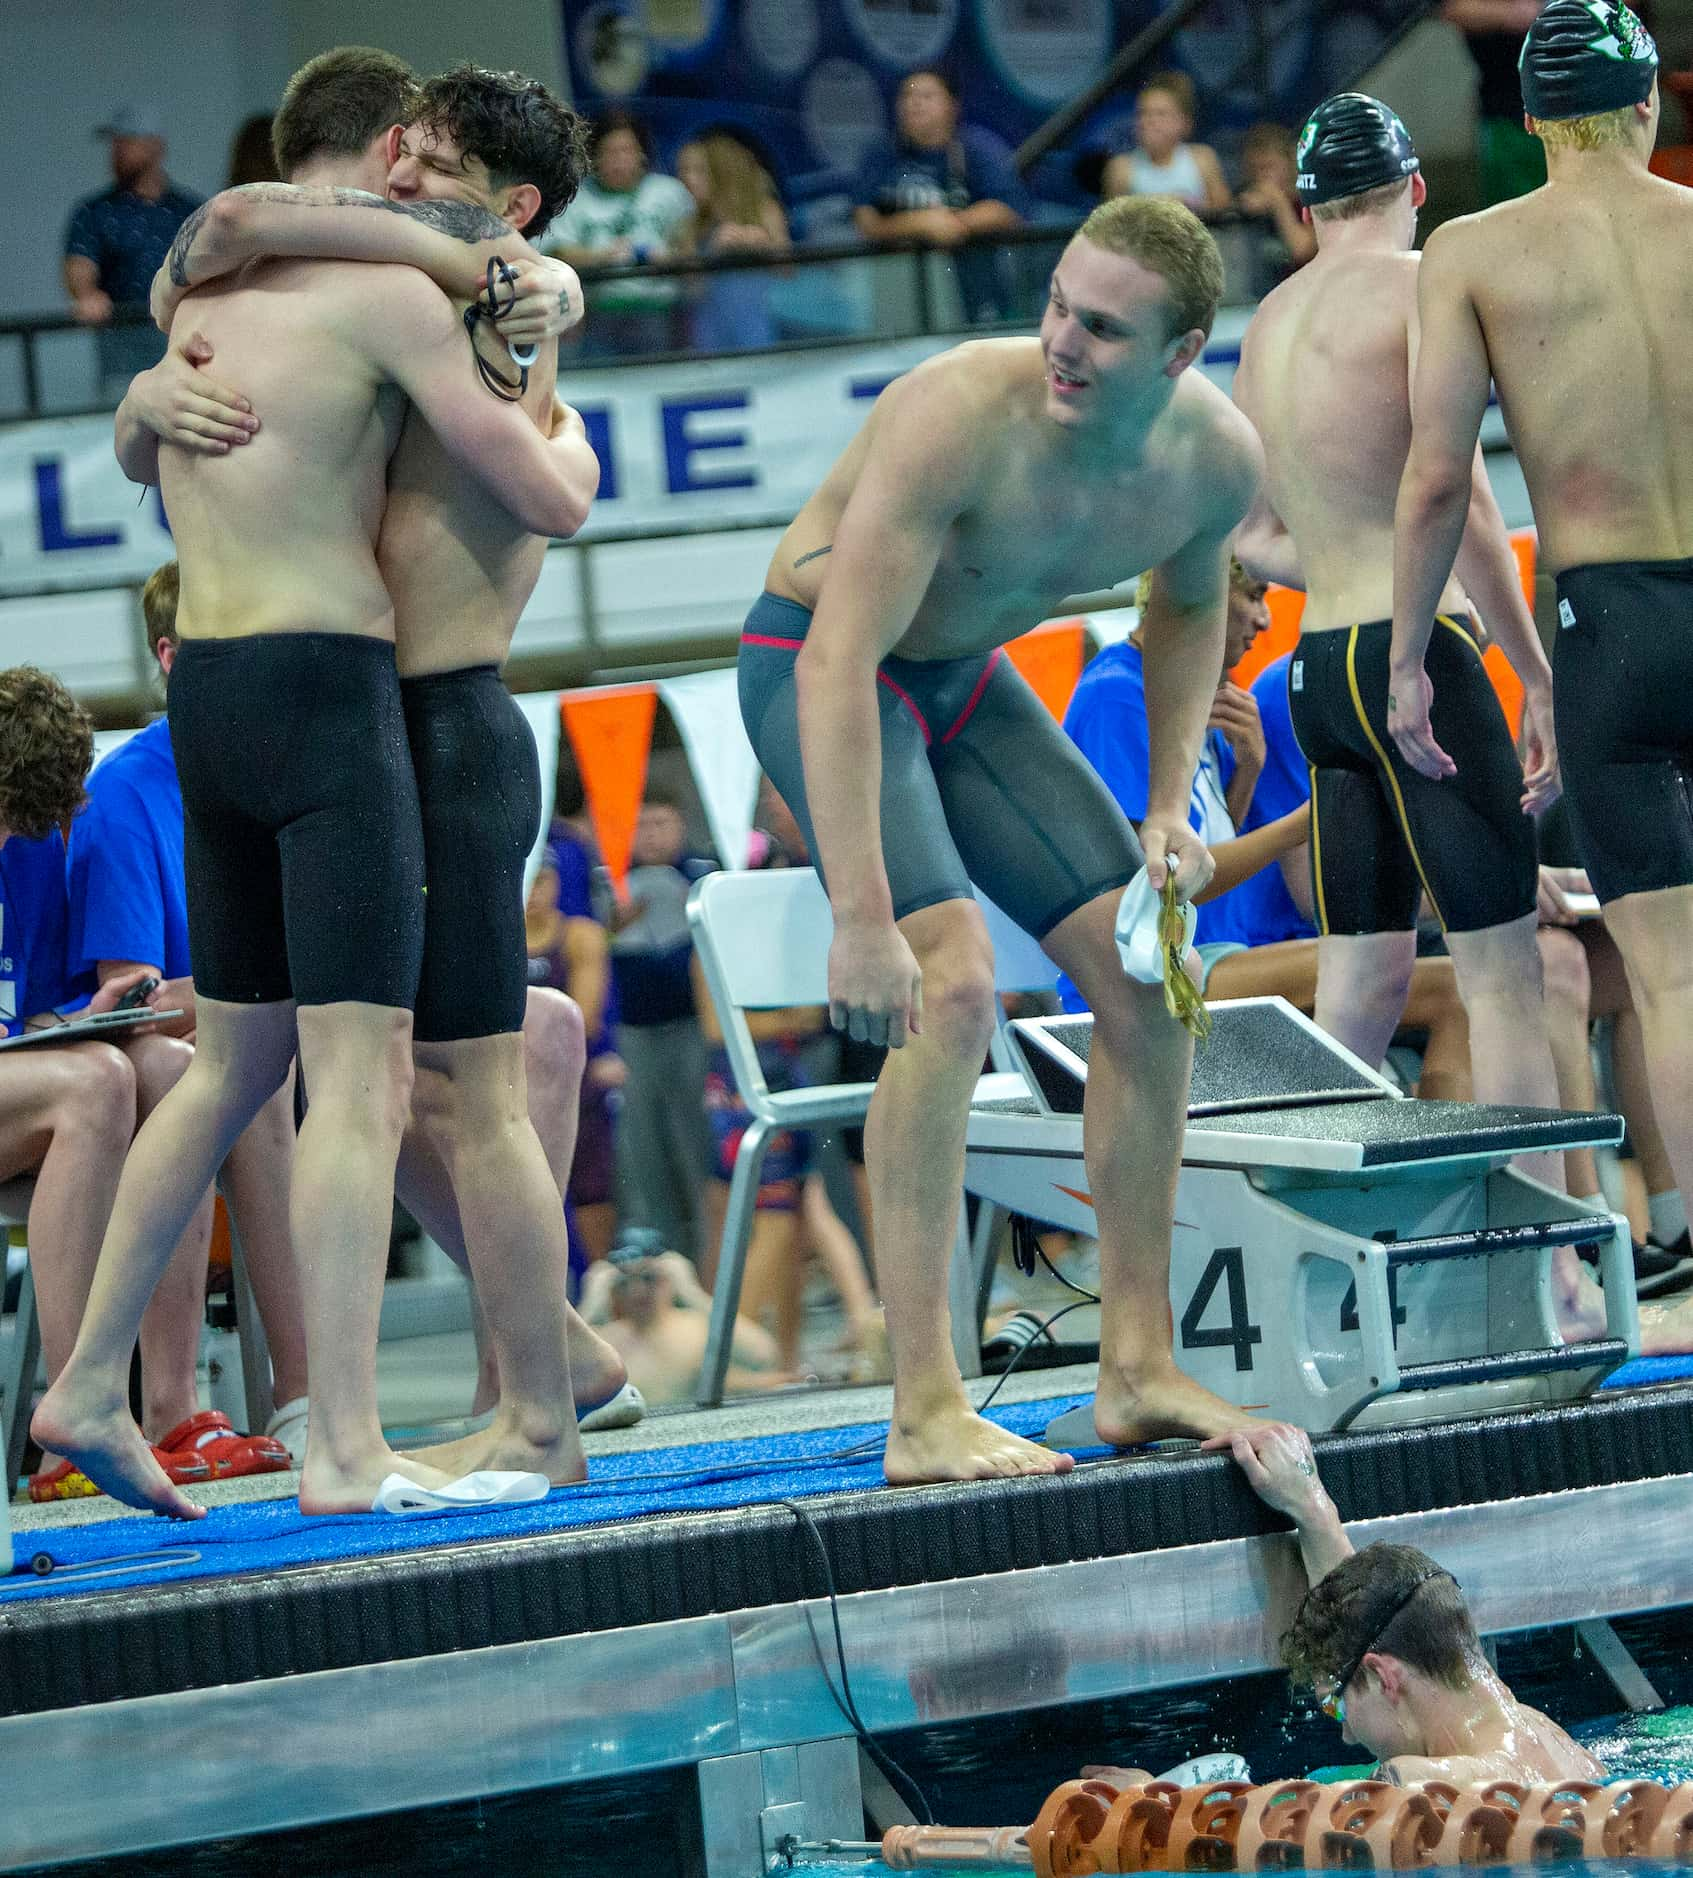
23, 1347
763, 943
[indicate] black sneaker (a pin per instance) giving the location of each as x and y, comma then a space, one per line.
1660, 1271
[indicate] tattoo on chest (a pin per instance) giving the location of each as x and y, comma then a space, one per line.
815, 555
178, 258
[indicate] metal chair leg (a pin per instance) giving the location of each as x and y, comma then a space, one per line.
250, 1329
984, 1247
961, 1299
17, 1382
732, 1264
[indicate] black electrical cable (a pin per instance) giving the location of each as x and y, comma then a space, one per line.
901, 1782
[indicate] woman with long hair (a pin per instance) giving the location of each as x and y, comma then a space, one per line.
735, 212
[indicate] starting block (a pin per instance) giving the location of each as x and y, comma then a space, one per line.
1343, 1256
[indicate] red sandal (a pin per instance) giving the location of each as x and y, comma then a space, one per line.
212, 1438
67, 1481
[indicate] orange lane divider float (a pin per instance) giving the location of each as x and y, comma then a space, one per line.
1090, 1826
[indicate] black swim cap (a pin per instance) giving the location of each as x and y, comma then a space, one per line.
1351, 143
1583, 57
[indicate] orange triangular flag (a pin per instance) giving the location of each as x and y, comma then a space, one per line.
611, 733
1050, 659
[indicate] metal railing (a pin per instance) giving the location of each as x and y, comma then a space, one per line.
52, 365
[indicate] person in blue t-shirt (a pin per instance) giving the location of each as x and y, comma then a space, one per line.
67, 1115
1255, 937
941, 182
129, 911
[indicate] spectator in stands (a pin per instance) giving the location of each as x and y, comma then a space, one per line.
251, 157
625, 213
941, 181
129, 911
1267, 163
1511, 161
663, 1143
735, 212
67, 1115
1161, 160
1255, 936
115, 242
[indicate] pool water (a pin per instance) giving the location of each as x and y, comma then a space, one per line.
981, 1773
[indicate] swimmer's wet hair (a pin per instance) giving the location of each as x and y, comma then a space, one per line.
46, 751
337, 103
1605, 130
159, 600
1365, 202
1348, 1611
515, 126
1166, 238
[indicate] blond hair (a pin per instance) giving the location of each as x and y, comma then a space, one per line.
1365, 202
1605, 130
741, 189
158, 605
1168, 239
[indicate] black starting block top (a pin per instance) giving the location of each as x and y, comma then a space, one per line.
1261, 1055
1392, 1133
1268, 1074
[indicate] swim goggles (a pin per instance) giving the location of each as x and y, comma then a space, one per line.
488, 306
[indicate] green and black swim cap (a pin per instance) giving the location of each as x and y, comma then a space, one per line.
1351, 143
1584, 57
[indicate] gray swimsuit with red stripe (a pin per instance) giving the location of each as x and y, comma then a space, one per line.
979, 783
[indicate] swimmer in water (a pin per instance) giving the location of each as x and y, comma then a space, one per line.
989, 488
1386, 1640
1573, 301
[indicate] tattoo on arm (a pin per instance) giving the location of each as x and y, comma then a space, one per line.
178, 259
464, 221
815, 554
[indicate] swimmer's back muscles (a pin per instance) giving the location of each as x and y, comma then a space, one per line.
1580, 300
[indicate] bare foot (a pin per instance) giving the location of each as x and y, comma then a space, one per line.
351, 1487
955, 1443
100, 1437
511, 1445
597, 1368
1666, 1329
1160, 1403
1578, 1303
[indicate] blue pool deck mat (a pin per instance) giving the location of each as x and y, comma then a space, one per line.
269, 1535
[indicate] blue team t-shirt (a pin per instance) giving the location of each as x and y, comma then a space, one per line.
35, 968
1107, 722
1284, 786
128, 899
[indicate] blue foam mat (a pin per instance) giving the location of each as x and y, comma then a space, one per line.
265, 1535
